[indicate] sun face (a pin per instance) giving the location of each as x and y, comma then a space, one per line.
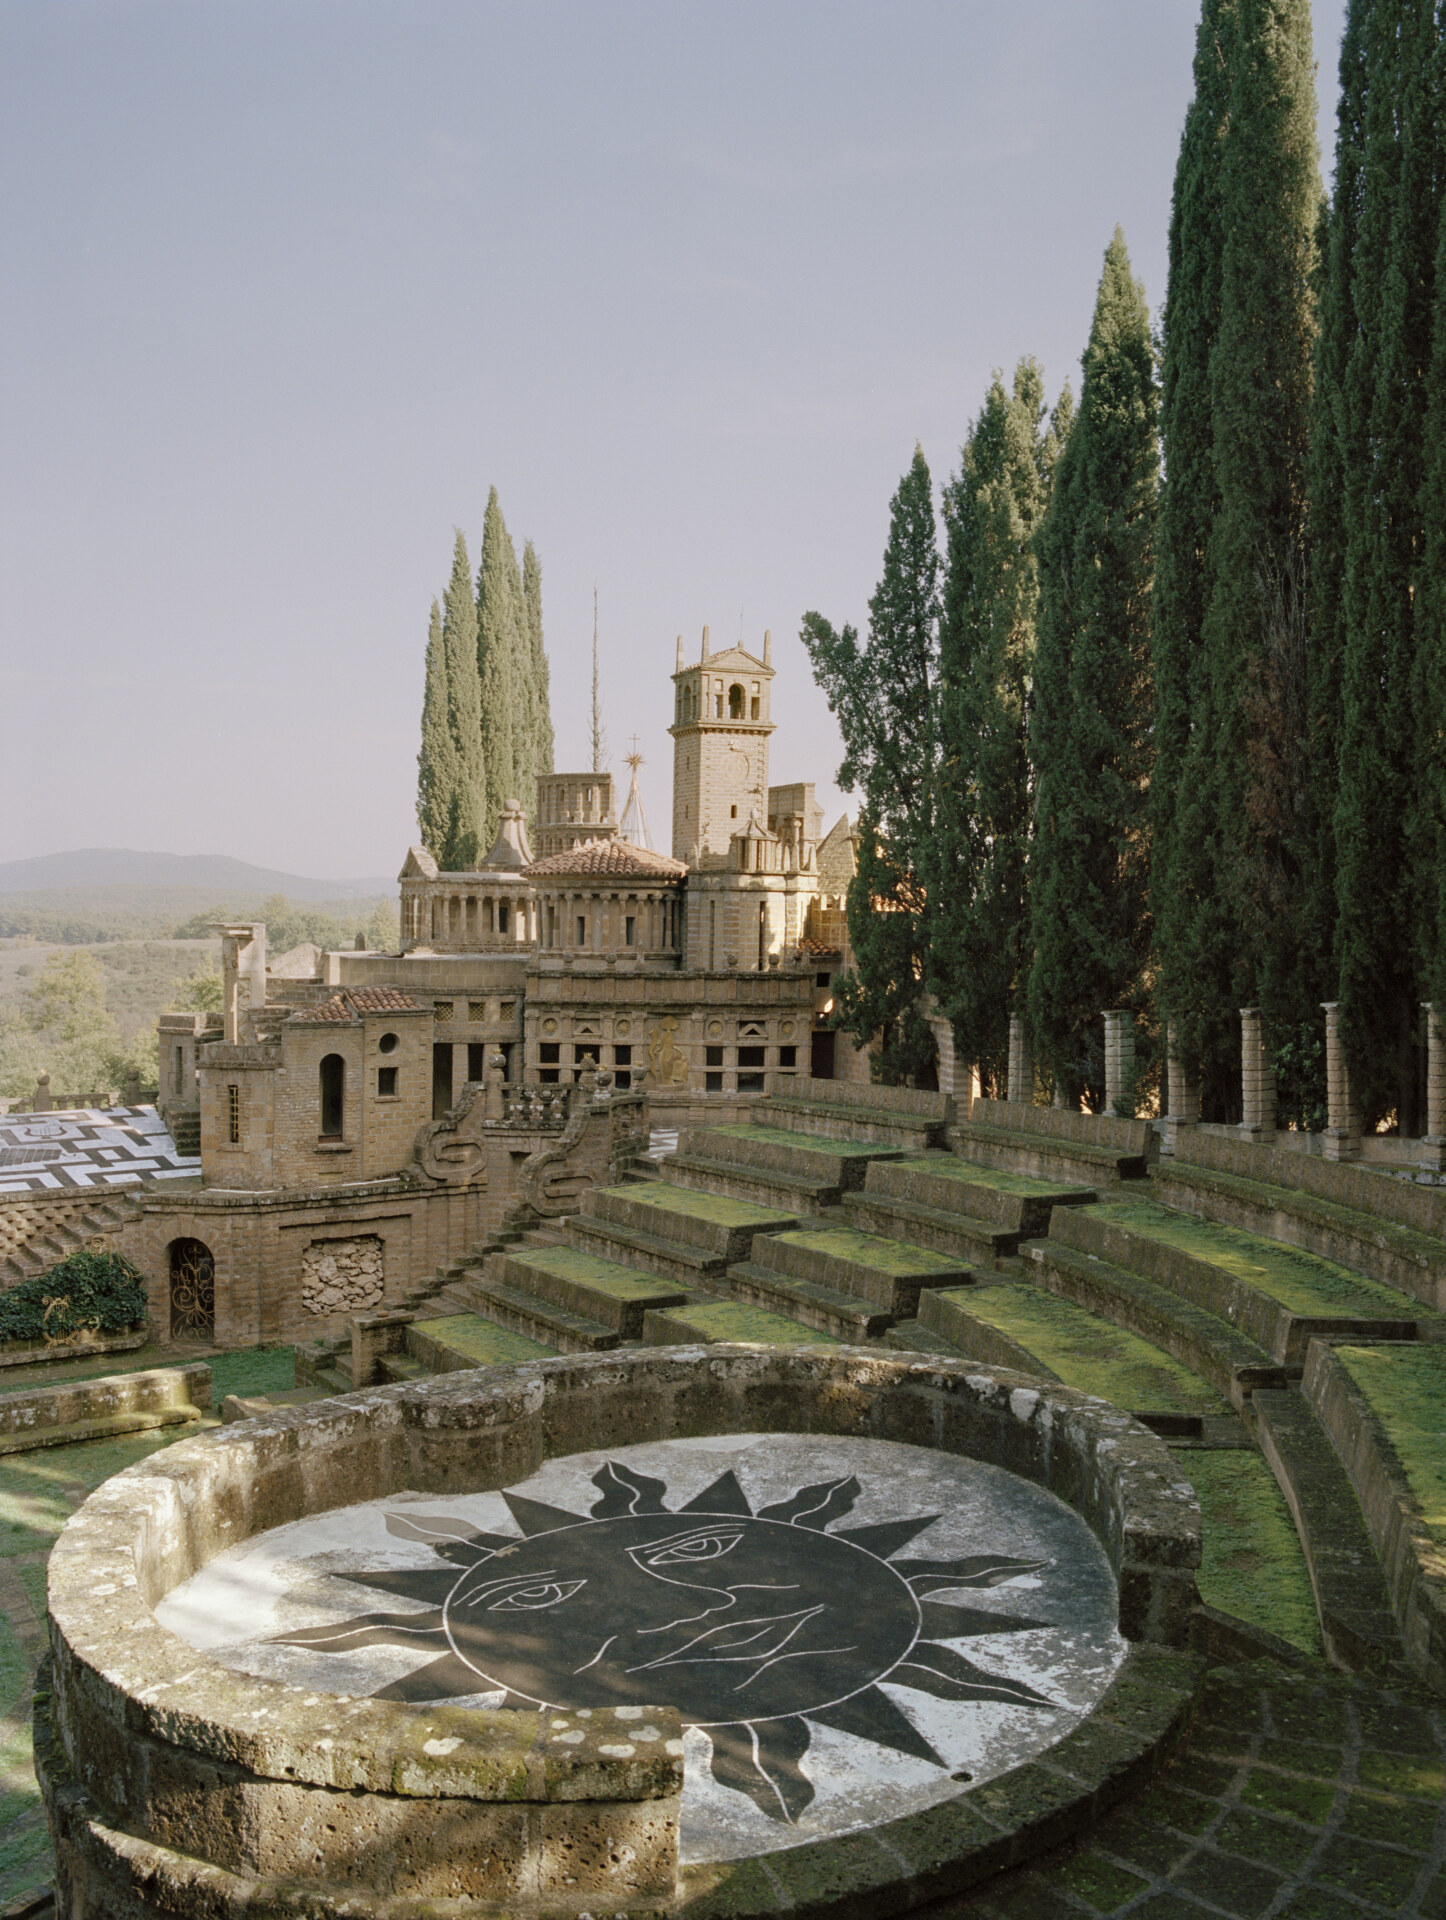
750, 1625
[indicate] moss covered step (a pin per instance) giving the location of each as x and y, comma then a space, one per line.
1016, 1324
836, 1163
710, 1222
1067, 1158
1280, 1296
1252, 1564
687, 1267
843, 1315
962, 1236
886, 1273
1351, 1597
523, 1312
1015, 1201
726, 1320
602, 1291
1230, 1361
460, 1340
886, 1126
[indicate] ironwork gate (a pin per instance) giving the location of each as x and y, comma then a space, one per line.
193, 1291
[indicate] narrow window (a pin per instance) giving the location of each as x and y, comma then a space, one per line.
180, 1070
502, 917
333, 1096
630, 938
233, 1116
735, 702
386, 1083
754, 714
582, 929
476, 1059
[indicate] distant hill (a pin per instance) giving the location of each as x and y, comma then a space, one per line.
212, 873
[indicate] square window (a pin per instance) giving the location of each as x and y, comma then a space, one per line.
788, 1056
712, 1083
623, 1056
386, 1083
443, 1012
750, 1056
550, 1052
623, 1079
713, 1056
476, 1010
822, 979
587, 1054
507, 1010
549, 1076
750, 1083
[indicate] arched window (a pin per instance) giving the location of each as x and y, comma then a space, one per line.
333, 1096
735, 702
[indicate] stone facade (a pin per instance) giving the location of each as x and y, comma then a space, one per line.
343, 1276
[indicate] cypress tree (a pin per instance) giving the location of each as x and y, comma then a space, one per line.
992, 508
885, 697
463, 843
538, 677
436, 760
1384, 399
1429, 819
502, 651
1090, 731
1189, 501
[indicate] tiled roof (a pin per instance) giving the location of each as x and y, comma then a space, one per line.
352, 1002
615, 858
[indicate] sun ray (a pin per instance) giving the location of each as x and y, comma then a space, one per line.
979, 1570
815, 1506
888, 1537
533, 1517
624, 1491
760, 1758
408, 1583
447, 1535
365, 1630
944, 1622
442, 1679
872, 1715
947, 1675
723, 1496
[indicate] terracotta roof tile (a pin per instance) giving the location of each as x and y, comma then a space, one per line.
609, 857
352, 1002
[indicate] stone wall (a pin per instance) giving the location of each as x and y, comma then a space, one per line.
343, 1276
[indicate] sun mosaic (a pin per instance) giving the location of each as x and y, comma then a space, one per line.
846, 1628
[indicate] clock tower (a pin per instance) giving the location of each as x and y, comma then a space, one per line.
721, 727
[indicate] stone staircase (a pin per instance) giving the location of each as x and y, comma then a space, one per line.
38, 1233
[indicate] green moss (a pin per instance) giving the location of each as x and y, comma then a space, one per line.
805, 1142
604, 1276
715, 1207
482, 1341
253, 1370
1089, 1353
868, 1250
1253, 1563
733, 1320
1406, 1388
956, 1169
1304, 1283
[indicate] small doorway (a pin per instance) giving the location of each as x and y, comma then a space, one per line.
821, 1063
193, 1291
441, 1078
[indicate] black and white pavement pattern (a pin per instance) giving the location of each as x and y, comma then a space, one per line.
94, 1147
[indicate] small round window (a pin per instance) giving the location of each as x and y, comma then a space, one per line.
387, 1043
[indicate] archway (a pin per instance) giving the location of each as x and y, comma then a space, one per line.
735, 702
193, 1290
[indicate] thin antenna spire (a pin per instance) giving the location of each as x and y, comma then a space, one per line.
599, 738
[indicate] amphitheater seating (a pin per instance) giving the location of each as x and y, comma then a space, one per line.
1054, 1143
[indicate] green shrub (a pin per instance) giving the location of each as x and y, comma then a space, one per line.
99, 1291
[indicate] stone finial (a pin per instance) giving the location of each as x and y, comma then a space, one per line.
767, 648
704, 654
679, 667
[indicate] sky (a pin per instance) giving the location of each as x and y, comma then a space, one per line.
285, 287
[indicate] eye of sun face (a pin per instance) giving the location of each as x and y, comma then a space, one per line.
536, 1595
687, 1549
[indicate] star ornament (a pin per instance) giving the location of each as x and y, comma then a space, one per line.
754, 1626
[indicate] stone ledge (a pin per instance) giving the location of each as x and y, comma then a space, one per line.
184, 1389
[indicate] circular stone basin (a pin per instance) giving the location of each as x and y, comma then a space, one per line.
850, 1630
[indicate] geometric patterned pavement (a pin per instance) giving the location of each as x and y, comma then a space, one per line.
1303, 1796
87, 1147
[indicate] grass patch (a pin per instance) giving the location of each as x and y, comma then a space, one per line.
1253, 1564
868, 1250
804, 1142
715, 1207
1089, 1353
252, 1370
1302, 1282
956, 1169
1406, 1387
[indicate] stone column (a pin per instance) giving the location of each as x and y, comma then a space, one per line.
1433, 1147
1119, 1056
943, 1034
1257, 1079
1182, 1091
1021, 1066
1343, 1122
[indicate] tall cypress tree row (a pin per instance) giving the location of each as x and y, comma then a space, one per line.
538, 677
992, 508
1429, 820
1189, 501
502, 651
885, 697
436, 760
1090, 732
464, 842
1378, 896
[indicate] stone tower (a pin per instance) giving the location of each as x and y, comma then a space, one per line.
721, 725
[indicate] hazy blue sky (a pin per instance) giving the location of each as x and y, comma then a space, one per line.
287, 284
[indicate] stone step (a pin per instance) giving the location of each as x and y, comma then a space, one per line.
1229, 1361
105, 1426
838, 1163
1352, 1599
710, 1223
843, 1315
1072, 1162
1280, 1296
460, 1340
913, 1132
887, 1273
908, 1336
395, 1367
959, 1234
602, 1292
686, 1266
541, 1320
790, 1190
710, 1320
946, 1183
